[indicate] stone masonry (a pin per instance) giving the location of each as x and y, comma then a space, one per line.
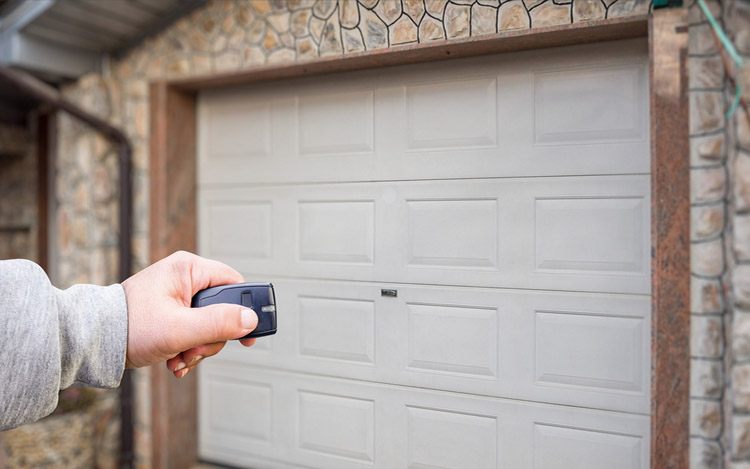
720, 235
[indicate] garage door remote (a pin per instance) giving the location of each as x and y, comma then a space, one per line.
257, 296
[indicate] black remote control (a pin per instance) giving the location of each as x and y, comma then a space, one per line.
257, 296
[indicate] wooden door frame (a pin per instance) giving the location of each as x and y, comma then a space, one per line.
173, 204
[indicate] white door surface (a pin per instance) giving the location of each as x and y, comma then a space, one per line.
506, 201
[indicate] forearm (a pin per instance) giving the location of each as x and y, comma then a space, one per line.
52, 338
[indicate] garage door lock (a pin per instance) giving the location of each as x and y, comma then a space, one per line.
389, 292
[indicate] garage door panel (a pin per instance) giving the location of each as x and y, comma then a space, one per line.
429, 128
452, 339
600, 234
580, 349
590, 104
525, 114
337, 328
341, 424
336, 123
576, 233
562, 447
248, 421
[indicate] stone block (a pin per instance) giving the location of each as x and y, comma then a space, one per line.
306, 48
229, 60
282, 56
706, 378
588, 10
708, 185
706, 336
628, 8
706, 111
705, 72
403, 31
430, 29
330, 41
708, 150
707, 258
373, 30
457, 20
701, 40
743, 128
435, 7
299, 21
741, 336
706, 221
483, 20
695, 14
741, 388
740, 437
388, 10
353, 41
741, 287
741, 175
279, 22
415, 10
706, 296
348, 13
219, 43
257, 31
323, 9
742, 237
705, 454
705, 418
316, 28
550, 14
513, 15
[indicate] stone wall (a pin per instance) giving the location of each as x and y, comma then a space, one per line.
720, 255
228, 35
17, 193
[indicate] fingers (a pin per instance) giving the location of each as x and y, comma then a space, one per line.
204, 272
211, 324
176, 363
183, 363
193, 356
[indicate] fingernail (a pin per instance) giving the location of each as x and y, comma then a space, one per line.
184, 372
180, 366
248, 318
196, 359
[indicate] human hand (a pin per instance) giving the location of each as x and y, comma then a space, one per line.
163, 326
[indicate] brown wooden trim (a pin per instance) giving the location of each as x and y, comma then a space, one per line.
670, 234
510, 41
173, 227
173, 159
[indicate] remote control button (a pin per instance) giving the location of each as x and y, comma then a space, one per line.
247, 299
268, 309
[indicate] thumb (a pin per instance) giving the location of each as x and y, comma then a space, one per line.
216, 323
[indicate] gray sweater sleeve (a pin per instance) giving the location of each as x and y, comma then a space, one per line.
50, 339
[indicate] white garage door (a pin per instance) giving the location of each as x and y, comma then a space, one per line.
504, 200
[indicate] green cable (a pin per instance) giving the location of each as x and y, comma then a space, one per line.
729, 47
